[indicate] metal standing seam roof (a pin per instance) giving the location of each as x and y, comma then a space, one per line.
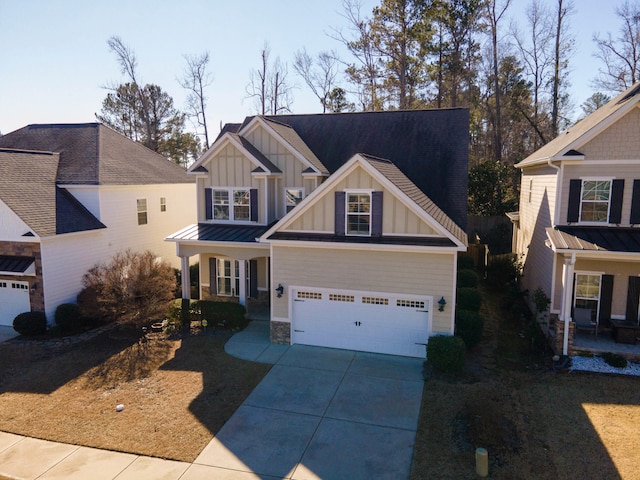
18, 264
606, 239
204, 232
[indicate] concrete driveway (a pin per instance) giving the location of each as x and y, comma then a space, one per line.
323, 413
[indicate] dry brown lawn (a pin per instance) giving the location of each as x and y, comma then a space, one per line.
535, 423
176, 393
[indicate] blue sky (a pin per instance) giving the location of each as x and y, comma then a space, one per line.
54, 58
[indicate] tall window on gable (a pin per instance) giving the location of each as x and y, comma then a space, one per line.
163, 204
594, 201
293, 196
221, 205
142, 211
358, 214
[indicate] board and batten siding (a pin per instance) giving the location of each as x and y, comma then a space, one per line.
397, 218
395, 272
536, 214
12, 228
626, 171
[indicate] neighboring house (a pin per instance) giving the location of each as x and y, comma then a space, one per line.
72, 196
578, 227
347, 225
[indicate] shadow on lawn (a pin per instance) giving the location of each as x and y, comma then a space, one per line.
43, 368
226, 380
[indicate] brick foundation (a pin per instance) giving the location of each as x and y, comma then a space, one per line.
27, 249
281, 333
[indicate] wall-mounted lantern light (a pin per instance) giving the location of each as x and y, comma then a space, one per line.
280, 290
441, 303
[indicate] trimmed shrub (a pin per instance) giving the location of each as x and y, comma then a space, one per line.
446, 353
30, 323
503, 270
469, 299
228, 314
68, 317
465, 262
468, 278
615, 360
469, 327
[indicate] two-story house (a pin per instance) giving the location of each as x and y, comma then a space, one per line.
74, 195
578, 226
349, 225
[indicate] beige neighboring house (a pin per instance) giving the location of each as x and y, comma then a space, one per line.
73, 195
347, 226
578, 227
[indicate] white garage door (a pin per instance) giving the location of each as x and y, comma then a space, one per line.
367, 321
14, 299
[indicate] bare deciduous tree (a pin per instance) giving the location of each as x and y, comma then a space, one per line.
319, 75
268, 85
196, 78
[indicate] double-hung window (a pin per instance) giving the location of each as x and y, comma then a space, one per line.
231, 204
587, 292
141, 204
220, 204
358, 213
241, 205
594, 200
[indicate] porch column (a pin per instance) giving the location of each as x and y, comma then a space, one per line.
186, 278
565, 311
242, 294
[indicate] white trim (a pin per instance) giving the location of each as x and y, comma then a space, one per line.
284, 193
231, 204
595, 179
366, 246
347, 213
218, 146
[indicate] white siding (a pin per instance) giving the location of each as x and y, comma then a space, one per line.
12, 228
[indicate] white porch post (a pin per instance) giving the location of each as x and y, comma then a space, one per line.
242, 294
565, 312
186, 278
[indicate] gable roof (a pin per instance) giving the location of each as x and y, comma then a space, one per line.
386, 171
28, 187
93, 154
429, 146
568, 143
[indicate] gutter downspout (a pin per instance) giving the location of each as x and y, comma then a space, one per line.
558, 180
566, 301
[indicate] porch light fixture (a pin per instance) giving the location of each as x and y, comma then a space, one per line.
280, 290
441, 303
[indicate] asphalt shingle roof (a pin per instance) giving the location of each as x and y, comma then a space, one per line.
28, 187
93, 154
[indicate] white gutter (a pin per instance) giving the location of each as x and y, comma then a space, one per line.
556, 207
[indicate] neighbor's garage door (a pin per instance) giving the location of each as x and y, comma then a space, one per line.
371, 322
14, 299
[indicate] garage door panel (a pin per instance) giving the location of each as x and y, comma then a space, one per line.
374, 322
14, 299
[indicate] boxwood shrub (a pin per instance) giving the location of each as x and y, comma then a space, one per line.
468, 278
68, 317
469, 299
228, 314
469, 325
446, 353
30, 323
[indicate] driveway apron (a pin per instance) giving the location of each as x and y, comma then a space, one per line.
324, 413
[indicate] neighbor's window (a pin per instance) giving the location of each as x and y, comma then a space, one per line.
142, 211
358, 213
163, 204
221, 204
293, 196
241, 205
594, 200
530, 189
587, 292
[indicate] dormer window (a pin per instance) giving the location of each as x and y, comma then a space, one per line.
232, 204
358, 213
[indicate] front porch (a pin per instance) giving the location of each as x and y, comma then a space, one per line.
604, 342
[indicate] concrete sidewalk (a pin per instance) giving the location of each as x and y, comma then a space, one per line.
318, 413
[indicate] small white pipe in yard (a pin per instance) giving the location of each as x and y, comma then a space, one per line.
482, 462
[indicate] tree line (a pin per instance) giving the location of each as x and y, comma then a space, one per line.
413, 54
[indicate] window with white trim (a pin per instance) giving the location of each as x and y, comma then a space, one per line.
358, 213
594, 200
587, 292
228, 277
141, 204
231, 204
293, 196
163, 204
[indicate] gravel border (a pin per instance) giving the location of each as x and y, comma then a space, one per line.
597, 364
